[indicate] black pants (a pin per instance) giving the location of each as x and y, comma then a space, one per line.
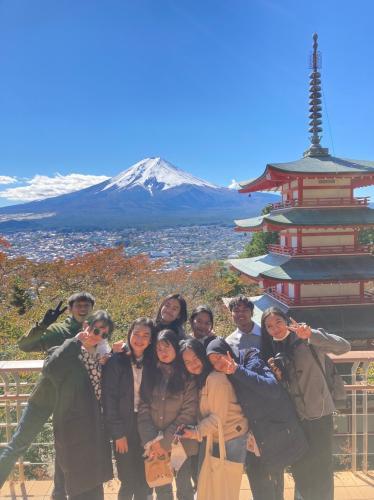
265, 483
130, 469
313, 473
96, 493
58, 492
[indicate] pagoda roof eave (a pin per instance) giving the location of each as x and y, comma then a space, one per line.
351, 322
310, 166
254, 223
262, 183
305, 270
302, 217
255, 266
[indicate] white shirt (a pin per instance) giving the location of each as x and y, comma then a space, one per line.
137, 374
240, 340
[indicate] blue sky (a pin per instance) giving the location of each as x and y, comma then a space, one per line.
217, 87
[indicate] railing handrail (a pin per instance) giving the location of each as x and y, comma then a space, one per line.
368, 298
359, 409
331, 201
288, 250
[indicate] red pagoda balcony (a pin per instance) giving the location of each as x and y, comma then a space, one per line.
368, 298
318, 250
323, 202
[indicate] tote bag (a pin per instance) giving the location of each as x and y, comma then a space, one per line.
158, 471
219, 478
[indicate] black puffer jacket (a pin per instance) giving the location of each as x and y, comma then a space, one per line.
118, 394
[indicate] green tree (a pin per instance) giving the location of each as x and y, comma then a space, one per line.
260, 241
20, 297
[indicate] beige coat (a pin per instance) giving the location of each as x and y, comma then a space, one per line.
218, 398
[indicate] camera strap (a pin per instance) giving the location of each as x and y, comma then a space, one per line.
316, 359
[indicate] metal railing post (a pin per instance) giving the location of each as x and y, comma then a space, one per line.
365, 430
354, 369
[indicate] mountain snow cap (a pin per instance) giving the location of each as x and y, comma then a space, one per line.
155, 174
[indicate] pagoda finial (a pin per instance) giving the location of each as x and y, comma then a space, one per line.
315, 104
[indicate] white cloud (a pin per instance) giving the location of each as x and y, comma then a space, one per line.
42, 186
234, 184
5, 179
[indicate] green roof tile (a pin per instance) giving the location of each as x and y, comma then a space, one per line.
312, 217
326, 164
285, 268
254, 266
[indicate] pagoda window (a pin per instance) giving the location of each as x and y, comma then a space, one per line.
279, 287
333, 290
291, 290
294, 241
283, 240
326, 240
323, 193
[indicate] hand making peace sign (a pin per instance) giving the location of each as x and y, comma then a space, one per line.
231, 364
302, 330
53, 314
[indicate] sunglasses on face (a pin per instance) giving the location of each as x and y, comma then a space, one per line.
97, 331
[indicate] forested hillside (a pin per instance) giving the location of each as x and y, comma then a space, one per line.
127, 287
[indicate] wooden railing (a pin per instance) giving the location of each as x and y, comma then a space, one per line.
322, 202
320, 250
331, 300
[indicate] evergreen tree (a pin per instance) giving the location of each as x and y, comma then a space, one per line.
20, 297
260, 241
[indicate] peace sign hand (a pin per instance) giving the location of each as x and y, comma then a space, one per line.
231, 364
302, 330
84, 335
53, 314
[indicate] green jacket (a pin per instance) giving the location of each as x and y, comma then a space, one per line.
42, 338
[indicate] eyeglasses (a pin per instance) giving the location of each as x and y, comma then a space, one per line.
97, 331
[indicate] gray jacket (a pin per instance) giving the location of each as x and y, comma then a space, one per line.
165, 412
307, 383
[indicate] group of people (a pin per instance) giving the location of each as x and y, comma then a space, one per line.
265, 386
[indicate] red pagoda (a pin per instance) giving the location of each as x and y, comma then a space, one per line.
318, 272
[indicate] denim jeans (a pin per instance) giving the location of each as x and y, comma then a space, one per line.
236, 450
30, 424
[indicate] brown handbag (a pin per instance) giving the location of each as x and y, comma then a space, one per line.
158, 471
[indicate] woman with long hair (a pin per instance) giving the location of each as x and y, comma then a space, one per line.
296, 353
172, 315
81, 444
121, 395
217, 398
168, 400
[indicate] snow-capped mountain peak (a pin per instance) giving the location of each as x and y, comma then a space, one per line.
154, 174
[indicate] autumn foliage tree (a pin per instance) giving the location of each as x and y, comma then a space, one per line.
127, 287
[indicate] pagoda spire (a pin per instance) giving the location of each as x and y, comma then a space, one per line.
315, 105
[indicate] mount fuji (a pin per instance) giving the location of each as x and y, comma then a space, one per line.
152, 193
